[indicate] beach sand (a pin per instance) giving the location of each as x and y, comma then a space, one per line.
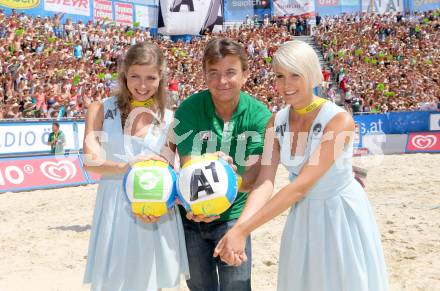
44, 234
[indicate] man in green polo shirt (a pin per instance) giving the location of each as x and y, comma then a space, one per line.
221, 119
57, 140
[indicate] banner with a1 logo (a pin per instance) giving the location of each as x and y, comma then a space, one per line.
40, 173
428, 142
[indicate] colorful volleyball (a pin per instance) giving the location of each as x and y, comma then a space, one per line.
207, 185
150, 186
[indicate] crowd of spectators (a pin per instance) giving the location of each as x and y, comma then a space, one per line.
51, 67
386, 62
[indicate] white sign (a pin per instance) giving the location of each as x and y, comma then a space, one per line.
189, 17
124, 13
102, 9
434, 121
78, 7
293, 7
31, 137
382, 6
146, 16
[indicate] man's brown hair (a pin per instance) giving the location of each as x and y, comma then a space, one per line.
218, 48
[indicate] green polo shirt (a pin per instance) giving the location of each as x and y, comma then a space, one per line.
199, 130
58, 148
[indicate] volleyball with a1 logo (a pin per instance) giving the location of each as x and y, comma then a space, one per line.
207, 185
150, 186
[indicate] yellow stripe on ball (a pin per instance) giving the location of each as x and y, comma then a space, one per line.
205, 157
211, 207
149, 208
239, 181
149, 163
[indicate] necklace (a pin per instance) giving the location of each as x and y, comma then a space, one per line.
311, 107
147, 103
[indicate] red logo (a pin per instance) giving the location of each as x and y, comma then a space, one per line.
73, 3
360, 152
40, 172
424, 142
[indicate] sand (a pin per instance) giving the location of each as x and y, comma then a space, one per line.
44, 234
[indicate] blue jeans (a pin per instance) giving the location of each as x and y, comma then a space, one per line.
206, 272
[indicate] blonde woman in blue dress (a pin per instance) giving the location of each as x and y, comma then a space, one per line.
126, 252
330, 241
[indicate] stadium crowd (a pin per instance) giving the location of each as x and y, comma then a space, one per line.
384, 62
51, 67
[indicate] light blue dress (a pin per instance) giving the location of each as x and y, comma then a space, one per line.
126, 254
330, 241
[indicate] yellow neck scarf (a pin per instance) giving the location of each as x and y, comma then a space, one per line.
311, 107
149, 103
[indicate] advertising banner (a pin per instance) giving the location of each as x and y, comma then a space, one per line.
73, 9
180, 17
434, 121
404, 122
382, 6
372, 123
293, 7
237, 10
424, 5
31, 137
394, 122
78, 7
143, 2
40, 173
102, 9
328, 7
20, 4
146, 15
327, 3
423, 142
124, 13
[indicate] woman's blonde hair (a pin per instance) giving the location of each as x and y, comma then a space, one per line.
142, 54
300, 58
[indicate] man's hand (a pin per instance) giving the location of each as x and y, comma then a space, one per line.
201, 217
231, 248
228, 159
198, 218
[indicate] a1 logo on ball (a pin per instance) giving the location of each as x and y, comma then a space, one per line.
199, 183
207, 185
